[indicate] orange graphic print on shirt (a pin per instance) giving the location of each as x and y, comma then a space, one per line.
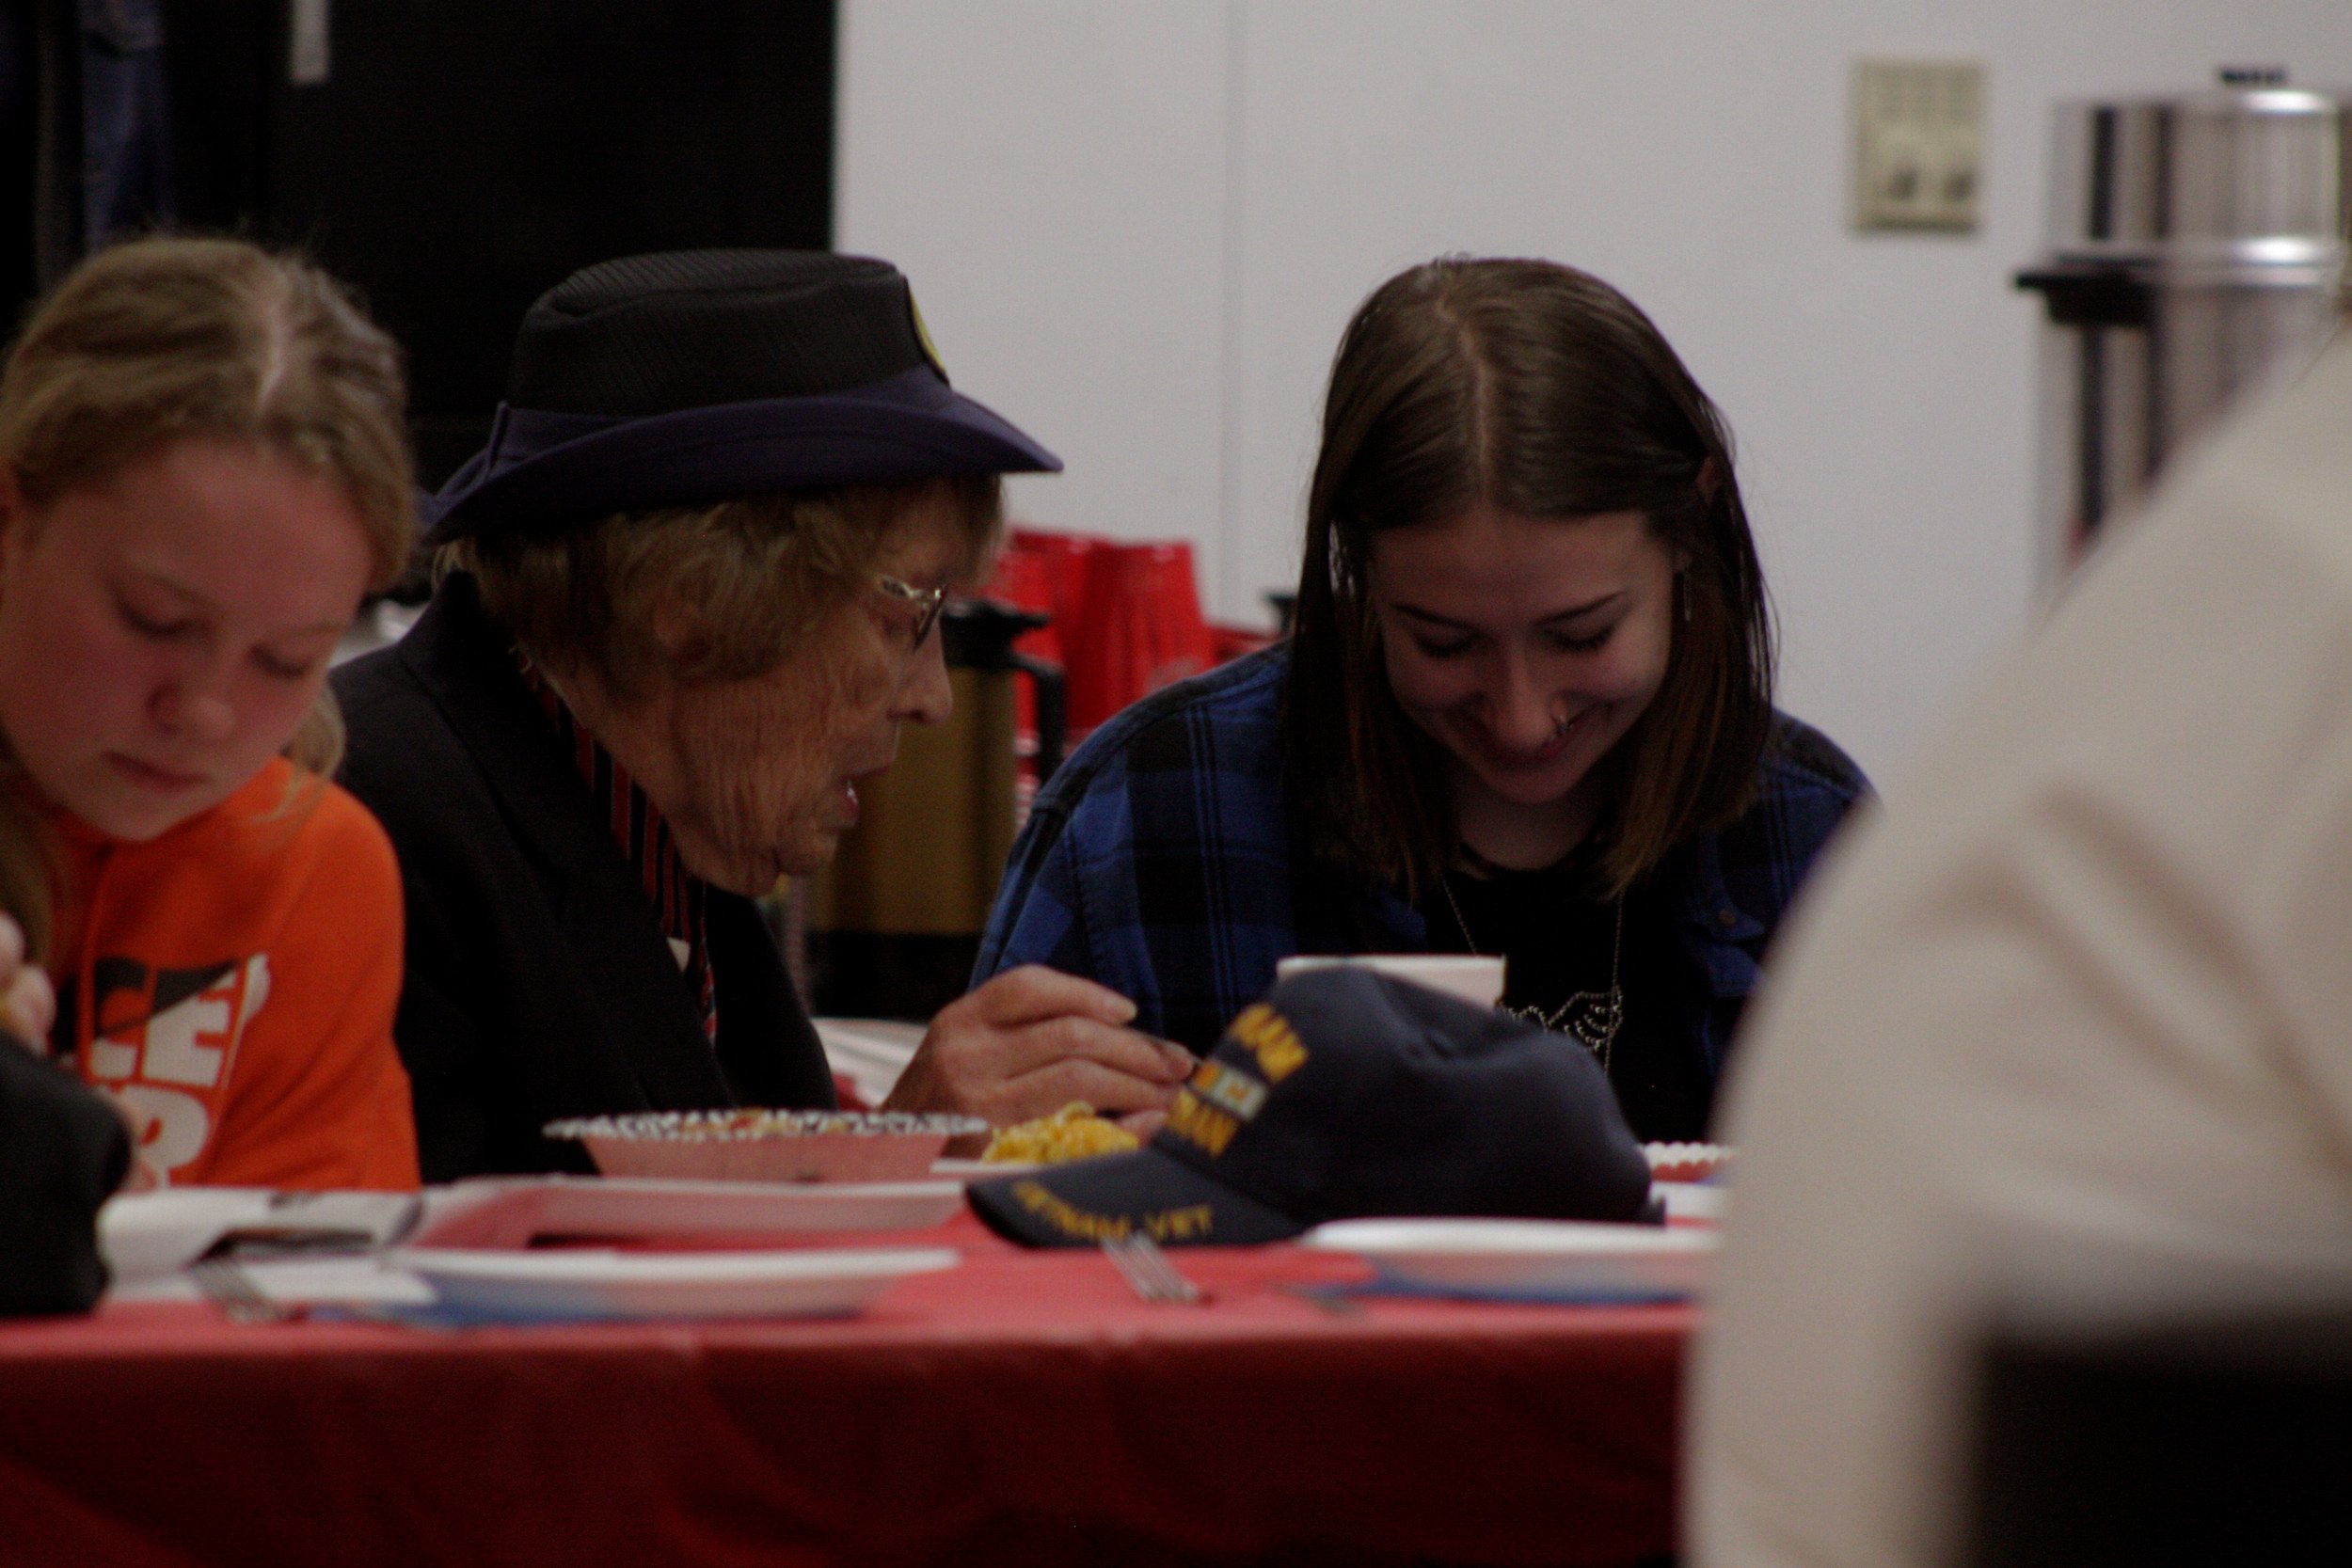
232, 983
165, 1038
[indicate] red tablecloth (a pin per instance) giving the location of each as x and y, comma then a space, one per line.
1023, 1407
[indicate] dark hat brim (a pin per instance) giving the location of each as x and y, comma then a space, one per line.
543, 472
1089, 1202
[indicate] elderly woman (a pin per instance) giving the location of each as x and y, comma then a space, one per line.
690, 596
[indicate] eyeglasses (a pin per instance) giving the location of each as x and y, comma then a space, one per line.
927, 603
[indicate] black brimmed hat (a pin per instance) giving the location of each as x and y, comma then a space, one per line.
700, 375
1346, 1094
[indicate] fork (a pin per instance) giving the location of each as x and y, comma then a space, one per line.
1143, 1265
233, 1289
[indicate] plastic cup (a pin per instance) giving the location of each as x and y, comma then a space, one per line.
1475, 980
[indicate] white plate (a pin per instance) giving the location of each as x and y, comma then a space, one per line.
511, 1211
980, 1171
1532, 1256
597, 1284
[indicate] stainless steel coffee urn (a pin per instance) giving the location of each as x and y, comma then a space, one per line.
2196, 244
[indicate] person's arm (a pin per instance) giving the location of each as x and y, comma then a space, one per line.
1038, 917
1040, 1028
1031, 1041
317, 1097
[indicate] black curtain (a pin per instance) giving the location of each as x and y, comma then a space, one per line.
451, 158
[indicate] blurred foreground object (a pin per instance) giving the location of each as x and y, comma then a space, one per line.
2195, 247
63, 1152
2063, 1034
2217, 1441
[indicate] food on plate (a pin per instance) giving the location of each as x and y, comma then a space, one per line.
1073, 1132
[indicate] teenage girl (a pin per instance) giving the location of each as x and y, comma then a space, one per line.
202, 471
1525, 711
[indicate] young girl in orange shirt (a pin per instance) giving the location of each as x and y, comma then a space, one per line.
202, 471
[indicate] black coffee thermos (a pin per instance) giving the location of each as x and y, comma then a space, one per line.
895, 922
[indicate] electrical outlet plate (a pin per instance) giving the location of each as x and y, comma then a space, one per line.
1918, 144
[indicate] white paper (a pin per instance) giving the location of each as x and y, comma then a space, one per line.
869, 1052
298, 1282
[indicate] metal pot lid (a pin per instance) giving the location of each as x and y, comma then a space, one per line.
2242, 178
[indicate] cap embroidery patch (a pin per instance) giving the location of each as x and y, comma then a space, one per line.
1235, 1091
1189, 1223
1197, 1122
1269, 1038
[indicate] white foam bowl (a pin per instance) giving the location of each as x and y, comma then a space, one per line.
1475, 980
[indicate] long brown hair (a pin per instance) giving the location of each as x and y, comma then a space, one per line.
1541, 390
164, 339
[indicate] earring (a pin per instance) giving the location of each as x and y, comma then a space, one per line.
1682, 591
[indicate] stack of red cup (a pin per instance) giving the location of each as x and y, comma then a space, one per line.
1127, 615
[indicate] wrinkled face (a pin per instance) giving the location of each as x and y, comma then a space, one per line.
164, 631
1526, 647
758, 778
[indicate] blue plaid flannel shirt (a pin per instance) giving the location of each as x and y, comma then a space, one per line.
1158, 862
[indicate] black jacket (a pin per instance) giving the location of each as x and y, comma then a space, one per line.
539, 983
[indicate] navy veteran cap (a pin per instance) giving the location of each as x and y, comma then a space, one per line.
1345, 1094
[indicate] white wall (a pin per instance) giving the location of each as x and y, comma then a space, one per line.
1136, 227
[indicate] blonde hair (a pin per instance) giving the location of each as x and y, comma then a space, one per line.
701, 593
169, 338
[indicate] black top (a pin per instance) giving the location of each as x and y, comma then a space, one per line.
1556, 935
538, 982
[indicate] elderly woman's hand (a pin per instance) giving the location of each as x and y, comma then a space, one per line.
1032, 1040
27, 1006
